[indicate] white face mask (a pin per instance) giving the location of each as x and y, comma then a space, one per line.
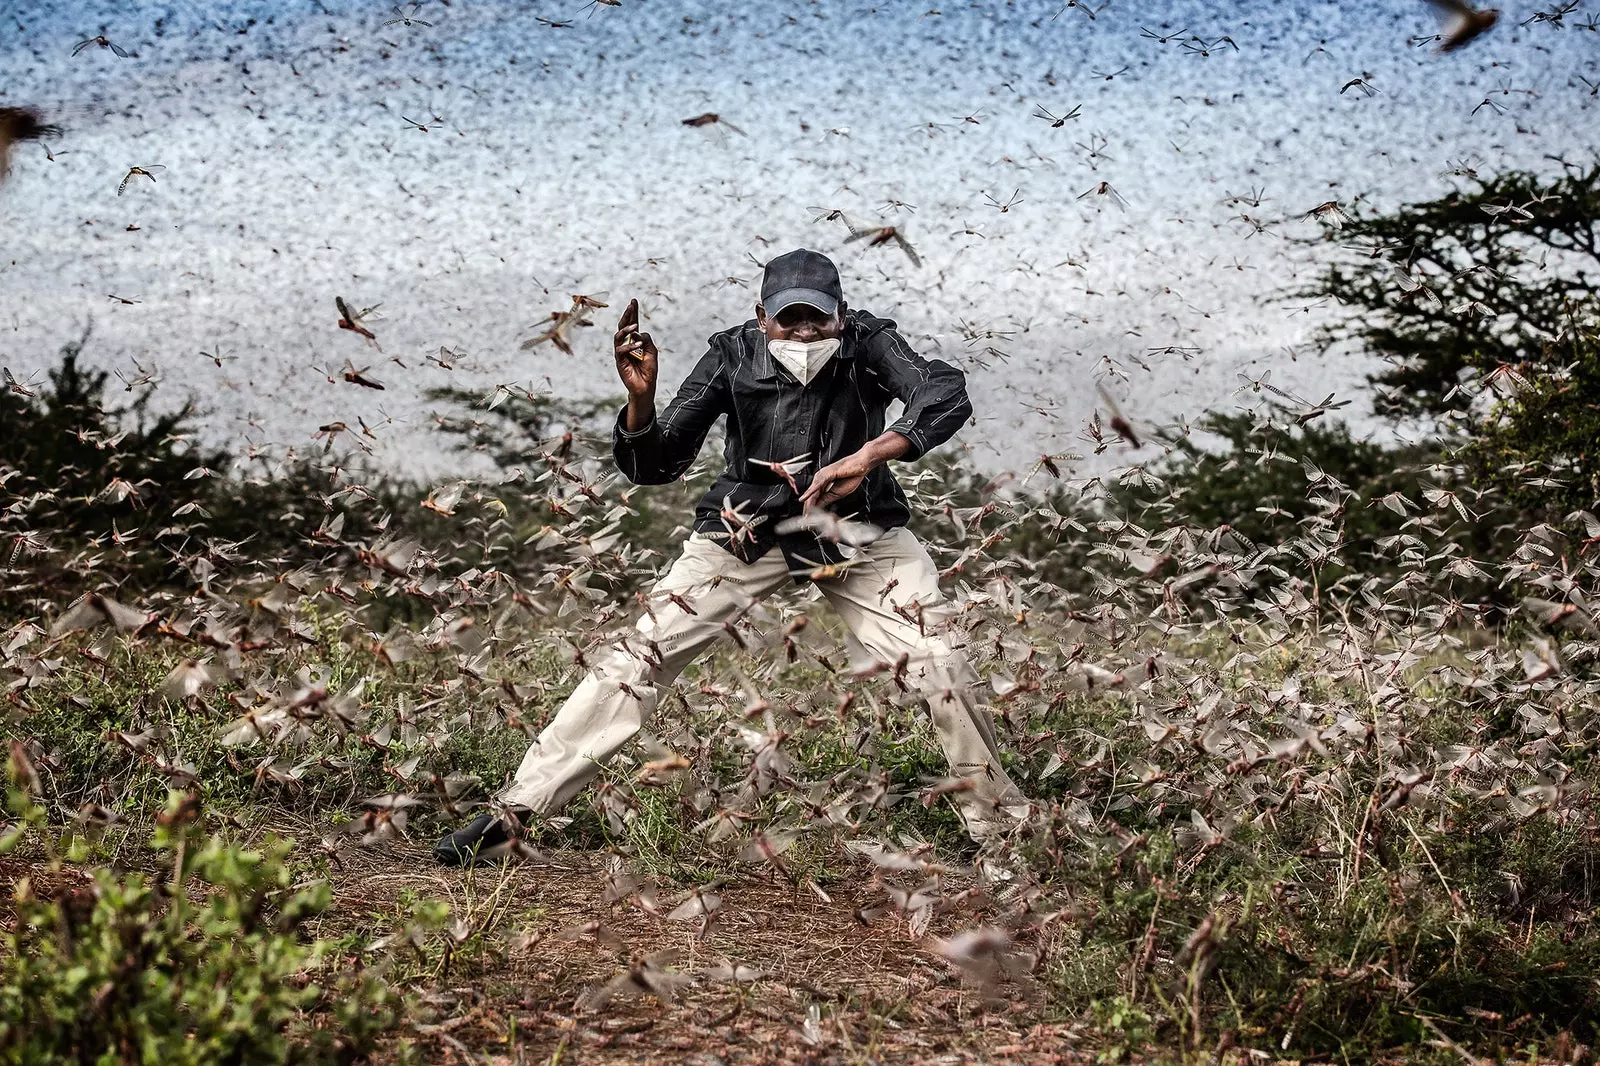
804, 359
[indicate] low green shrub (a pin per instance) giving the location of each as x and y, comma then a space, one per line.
201, 960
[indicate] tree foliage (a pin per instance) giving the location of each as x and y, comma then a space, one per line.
1538, 442
99, 462
87, 484
73, 462
534, 438
1496, 274
1257, 482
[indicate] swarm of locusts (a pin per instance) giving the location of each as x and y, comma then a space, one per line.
1245, 760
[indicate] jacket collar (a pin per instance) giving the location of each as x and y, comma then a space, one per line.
766, 367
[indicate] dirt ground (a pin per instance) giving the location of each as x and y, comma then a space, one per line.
826, 988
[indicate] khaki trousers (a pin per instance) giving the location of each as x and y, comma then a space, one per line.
619, 695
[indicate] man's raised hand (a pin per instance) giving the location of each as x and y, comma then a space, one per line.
636, 355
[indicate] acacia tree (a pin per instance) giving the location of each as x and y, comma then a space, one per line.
1498, 274
1483, 305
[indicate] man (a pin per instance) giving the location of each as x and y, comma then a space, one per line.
804, 387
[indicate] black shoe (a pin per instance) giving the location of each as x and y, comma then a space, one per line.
483, 834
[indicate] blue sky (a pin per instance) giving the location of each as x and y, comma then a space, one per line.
561, 165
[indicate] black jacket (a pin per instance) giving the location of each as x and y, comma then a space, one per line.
772, 416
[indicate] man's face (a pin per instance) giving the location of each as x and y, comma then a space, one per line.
801, 322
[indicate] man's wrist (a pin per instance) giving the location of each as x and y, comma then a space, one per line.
641, 412
891, 445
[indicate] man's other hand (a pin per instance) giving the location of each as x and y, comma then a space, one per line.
839, 479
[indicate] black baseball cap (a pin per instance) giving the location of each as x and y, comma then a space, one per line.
801, 277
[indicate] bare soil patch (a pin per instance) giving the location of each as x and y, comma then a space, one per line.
831, 988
